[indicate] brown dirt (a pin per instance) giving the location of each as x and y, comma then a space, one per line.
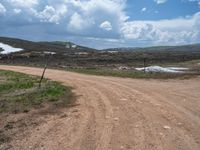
115, 113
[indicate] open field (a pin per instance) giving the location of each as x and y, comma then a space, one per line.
117, 113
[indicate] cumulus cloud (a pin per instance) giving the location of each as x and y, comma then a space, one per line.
17, 11
160, 1
2, 9
50, 14
139, 31
111, 10
77, 22
106, 25
174, 31
23, 3
91, 20
70, 17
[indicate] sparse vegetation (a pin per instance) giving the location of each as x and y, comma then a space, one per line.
34, 55
129, 74
103, 62
20, 92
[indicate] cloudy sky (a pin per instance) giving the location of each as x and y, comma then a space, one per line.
103, 23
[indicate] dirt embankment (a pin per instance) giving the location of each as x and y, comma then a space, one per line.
115, 114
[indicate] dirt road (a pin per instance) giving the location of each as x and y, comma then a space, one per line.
115, 114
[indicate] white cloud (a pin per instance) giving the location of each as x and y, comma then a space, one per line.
77, 22
160, 1
144, 9
2, 9
139, 31
175, 31
17, 11
86, 17
81, 15
106, 25
23, 3
94, 18
50, 14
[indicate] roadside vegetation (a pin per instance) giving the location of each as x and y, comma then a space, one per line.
19, 95
131, 73
20, 92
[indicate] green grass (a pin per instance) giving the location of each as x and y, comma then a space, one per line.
126, 74
20, 92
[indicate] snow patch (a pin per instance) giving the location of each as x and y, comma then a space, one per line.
177, 68
163, 69
74, 46
123, 68
8, 49
49, 53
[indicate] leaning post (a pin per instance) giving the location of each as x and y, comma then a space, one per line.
44, 70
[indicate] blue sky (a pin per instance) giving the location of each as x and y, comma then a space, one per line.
169, 10
103, 23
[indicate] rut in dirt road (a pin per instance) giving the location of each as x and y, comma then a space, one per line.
115, 113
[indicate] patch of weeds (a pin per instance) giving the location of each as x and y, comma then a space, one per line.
20, 92
126, 74
52, 91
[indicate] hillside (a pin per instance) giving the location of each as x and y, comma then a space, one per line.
182, 48
57, 47
70, 55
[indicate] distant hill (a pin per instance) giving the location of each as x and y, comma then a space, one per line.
67, 54
192, 48
67, 47
57, 46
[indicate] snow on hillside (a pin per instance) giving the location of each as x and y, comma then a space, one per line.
8, 49
162, 69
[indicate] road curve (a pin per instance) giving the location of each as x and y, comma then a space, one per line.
118, 113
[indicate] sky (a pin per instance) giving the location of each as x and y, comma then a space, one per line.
103, 23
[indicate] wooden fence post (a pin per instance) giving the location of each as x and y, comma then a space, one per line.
45, 67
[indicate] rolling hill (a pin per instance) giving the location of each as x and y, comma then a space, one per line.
67, 54
57, 46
